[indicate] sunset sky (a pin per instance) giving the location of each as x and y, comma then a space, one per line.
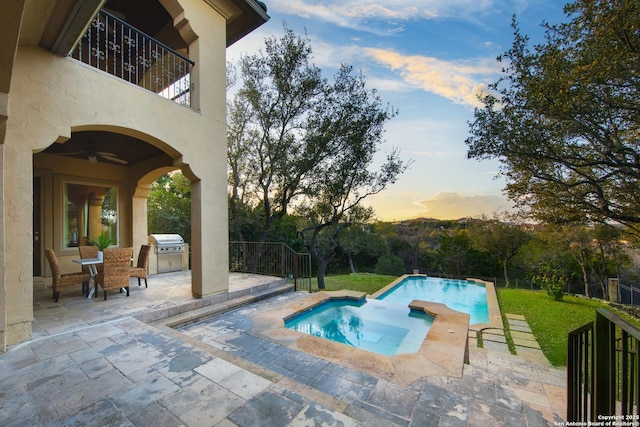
429, 59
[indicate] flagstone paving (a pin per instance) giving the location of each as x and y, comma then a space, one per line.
123, 371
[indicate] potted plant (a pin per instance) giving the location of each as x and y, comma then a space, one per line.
103, 241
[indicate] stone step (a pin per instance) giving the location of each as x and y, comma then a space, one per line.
514, 316
520, 328
496, 346
522, 335
193, 311
519, 342
493, 338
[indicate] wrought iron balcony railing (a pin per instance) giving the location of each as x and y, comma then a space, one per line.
112, 45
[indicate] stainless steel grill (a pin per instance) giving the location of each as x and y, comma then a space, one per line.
168, 250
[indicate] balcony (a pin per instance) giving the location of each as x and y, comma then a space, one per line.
113, 46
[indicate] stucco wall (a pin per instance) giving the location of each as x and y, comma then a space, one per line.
51, 96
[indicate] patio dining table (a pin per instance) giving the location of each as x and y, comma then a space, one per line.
92, 263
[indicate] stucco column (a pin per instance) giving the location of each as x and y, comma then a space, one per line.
11, 11
3, 288
16, 253
209, 241
139, 223
208, 162
95, 215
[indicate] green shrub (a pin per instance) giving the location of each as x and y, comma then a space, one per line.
552, 281
390, 265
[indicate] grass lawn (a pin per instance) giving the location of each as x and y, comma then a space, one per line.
363, 282
550, 320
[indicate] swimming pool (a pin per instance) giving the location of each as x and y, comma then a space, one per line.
461, 295
382, 327
386, 325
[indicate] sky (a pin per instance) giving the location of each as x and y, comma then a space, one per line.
428, 59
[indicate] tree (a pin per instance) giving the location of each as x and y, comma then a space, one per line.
549, 250
611, 258
581, 247
500, 239
597, 250
298, 142
564, 118
358, 241
411, 239
390, 265
169, 205
454, 252
267, 120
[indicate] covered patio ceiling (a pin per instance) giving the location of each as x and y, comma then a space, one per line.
106, 147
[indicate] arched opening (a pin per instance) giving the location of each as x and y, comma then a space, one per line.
158, 209
96, 180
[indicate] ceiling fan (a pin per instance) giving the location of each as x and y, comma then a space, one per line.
92, 155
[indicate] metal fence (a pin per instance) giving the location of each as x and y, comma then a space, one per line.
516, 284
603, 370
113, 46
628, 295
271, 259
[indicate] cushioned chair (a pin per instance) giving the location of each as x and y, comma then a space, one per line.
115, 270
140, 270
63, 280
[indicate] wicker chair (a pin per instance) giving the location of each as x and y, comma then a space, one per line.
87, 252
115, 270
140, 270
63, 280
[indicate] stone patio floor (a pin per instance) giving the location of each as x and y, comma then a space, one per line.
117, 362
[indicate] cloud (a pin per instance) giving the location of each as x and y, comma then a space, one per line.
353, 13
453, 205
359, 14
400, 205
459, 81
432, 154
388, 85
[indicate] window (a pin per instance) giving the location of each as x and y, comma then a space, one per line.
88, 211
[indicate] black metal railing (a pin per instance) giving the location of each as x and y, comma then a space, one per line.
580, 378
271, 259
603, 370
112, 45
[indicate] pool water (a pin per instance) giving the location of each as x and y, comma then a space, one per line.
387, 325
460, 295
382, 327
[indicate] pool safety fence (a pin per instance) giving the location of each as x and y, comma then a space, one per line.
271, 259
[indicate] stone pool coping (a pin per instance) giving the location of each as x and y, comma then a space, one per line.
443, 352
495, 316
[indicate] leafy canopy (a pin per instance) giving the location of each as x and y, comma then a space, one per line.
298, 143
564, 119
169, 205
